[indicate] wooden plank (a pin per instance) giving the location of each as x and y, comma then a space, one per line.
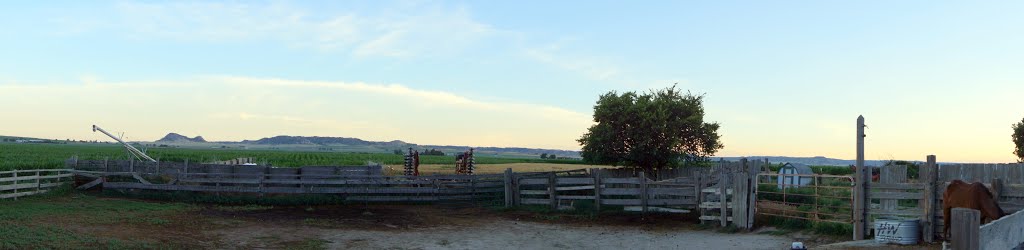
576, 197
574, 180
896, 195
713, 217
393, 198
572, 188
964, 228
533, 192
132, 185
621, 181
900, 186
533, 181
91, 184
711, 205
620, 202
17, 186
655, 209
672, 202
915, 212
620, 191
527, 201
140, 179
670, 191
716, 191
223, 181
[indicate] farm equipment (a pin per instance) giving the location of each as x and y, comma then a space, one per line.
464, 163
134, 152
412, 163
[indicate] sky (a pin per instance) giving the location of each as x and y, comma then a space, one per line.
785, 78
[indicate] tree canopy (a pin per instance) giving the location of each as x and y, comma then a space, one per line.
653, 130
1018, 140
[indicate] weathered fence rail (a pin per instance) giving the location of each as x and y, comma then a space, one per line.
20, 183
354, 183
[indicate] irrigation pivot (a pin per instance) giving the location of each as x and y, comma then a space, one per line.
131, 149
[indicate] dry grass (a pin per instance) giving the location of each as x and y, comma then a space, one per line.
433, 169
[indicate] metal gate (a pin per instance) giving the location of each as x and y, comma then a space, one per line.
811, 197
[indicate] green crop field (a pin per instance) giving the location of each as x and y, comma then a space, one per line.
32, 156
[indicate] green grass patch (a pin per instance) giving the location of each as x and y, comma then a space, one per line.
22, 222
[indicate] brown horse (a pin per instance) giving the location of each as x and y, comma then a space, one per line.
974, 196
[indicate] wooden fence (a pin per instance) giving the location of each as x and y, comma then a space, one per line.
354, 183
1005, 233
19, 183
921, 198
612, 187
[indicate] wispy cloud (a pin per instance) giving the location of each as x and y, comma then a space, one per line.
409, 32
589, 67
429, 96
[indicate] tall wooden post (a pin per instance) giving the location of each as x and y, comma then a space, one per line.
964, 228
698, 190
553, 190
643, 192
15, 172
863, 179
596, 172
723, 196
930, 174
508, 187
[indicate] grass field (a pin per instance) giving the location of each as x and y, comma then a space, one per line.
31, 156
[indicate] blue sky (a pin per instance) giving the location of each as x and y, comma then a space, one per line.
783, 78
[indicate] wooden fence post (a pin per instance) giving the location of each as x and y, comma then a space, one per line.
997, 188
508, 187
739, 198
39, 181
860, 201
698, 189
930, 173
552, 190
596, 172
723, 198
643, 192
964, 229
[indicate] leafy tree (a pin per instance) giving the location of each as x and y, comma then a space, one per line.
544, 155
552, 156
1018, 140
654, 130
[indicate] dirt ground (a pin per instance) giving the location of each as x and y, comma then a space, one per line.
157, 224
431, 227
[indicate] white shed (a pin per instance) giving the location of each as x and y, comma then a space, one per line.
794, 181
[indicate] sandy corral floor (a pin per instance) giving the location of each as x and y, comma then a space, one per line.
90, 221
